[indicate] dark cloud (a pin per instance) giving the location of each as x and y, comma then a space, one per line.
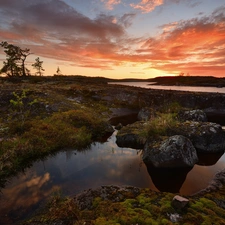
127, 19
58, 18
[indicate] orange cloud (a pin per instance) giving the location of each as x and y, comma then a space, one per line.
194, 46
147, 5
111, 3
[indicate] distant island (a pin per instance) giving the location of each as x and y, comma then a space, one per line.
207, 81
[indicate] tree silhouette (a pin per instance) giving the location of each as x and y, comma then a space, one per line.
58, 72
38, 66
15, 60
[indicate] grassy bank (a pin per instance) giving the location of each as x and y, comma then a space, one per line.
41, 137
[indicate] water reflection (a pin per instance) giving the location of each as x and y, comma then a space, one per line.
150, 85
209, 159
169, 179
102, 164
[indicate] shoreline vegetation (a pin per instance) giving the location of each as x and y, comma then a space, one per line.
42, 115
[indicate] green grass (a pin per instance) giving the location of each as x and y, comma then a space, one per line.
159, 126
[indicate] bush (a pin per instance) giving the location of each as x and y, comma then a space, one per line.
161, 125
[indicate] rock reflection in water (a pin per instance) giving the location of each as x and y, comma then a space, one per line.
168, 179
209, 159
187, 180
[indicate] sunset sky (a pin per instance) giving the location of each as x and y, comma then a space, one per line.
118, 38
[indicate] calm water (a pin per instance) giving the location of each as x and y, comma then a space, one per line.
150, 85
103, 164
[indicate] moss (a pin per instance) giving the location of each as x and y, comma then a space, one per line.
96, 202
148, 207
104, 221
208, 203
165, 222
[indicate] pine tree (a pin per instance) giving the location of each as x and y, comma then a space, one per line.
38, 66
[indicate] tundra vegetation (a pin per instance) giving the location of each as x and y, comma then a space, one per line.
147, 208
42, 115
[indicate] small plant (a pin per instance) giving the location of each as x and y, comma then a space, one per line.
21, 107
171, 107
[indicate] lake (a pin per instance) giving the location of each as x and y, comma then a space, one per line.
150, 85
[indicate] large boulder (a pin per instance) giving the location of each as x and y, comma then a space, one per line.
206, 137
193, 115
176, 151
129, 136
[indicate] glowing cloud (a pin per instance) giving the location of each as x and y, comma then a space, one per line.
147, 5
111, 3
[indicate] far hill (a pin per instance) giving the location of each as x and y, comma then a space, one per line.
189, 81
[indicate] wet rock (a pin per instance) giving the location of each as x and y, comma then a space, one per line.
179, 202
129, 136
193, 115
176, 151
205, 136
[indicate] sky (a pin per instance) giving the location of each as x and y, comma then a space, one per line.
118, 38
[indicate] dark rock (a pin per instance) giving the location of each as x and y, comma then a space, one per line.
179, 202
146, 114
176, 151
205, 136
118, 126
193, 115
129, 136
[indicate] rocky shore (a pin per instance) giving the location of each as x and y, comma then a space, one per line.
91, 107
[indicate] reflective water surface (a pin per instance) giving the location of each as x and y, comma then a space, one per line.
150, 85
103, 164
